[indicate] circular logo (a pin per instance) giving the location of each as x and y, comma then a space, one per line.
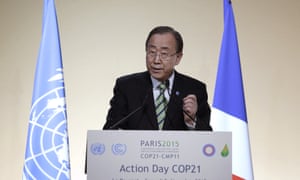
47, 151
118, 149
97, 148
209, 150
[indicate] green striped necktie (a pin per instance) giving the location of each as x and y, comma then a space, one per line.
161, 106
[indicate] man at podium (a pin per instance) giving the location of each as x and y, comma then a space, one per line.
160, 98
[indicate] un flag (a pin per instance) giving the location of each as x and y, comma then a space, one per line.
47, 148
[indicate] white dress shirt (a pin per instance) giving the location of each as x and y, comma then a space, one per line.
156, 92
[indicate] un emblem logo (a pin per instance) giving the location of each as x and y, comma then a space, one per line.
97, 148
48, 141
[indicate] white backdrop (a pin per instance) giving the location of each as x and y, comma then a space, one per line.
103, 39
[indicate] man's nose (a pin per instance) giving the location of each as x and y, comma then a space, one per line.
157, 58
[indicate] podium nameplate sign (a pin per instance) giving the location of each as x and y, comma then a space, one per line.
158, 155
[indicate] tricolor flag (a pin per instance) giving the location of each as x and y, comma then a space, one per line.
47, 148
229, 109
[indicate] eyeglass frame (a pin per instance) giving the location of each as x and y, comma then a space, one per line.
162, 56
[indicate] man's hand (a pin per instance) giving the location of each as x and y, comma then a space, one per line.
190, 106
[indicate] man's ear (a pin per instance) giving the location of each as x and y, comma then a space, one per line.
178, 58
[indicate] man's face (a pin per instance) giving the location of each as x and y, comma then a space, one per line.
161, 56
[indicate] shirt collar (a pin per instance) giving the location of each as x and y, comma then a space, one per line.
155, 82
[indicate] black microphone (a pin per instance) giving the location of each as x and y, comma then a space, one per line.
168, 89
167, 83
124, 119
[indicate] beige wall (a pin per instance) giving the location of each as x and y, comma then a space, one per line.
103, 39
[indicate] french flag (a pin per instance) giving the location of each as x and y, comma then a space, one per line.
229, 109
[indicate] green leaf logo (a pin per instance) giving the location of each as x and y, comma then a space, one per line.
225, 151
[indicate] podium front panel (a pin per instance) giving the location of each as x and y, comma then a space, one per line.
158, 155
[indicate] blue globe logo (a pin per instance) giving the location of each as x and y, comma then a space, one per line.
47, 148
97, 148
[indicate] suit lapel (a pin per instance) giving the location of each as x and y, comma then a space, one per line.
174, 112
150, 114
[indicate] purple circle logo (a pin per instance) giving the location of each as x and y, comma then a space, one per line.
209, 150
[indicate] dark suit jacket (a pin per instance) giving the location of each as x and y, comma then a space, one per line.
135, 90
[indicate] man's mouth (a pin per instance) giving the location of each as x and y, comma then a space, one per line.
156, 69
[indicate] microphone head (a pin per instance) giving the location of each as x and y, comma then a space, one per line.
167, 83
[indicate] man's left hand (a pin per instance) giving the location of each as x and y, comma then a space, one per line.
190, 106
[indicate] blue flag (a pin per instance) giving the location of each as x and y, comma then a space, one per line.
229, 92
47, 148
229, 109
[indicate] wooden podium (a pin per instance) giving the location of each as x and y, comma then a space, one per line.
158, 155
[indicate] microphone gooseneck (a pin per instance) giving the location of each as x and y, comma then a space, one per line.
167, 83
124, 119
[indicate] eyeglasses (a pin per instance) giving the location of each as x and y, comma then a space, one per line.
163, 56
